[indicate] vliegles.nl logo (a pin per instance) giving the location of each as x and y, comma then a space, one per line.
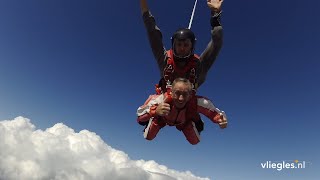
287, 164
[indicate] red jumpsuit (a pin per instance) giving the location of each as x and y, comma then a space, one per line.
181, 118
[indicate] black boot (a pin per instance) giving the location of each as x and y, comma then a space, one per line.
199, 125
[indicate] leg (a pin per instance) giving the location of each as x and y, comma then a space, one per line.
191, 133
152, 129
198, 123
193, 114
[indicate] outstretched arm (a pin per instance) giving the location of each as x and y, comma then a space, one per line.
206, 107
154, 106
212, 50
154, 36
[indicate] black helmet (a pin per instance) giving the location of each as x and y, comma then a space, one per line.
183, 34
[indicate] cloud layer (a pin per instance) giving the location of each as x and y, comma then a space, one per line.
61, 153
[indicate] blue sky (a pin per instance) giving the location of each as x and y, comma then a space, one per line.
88, 64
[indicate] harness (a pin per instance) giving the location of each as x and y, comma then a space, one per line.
190, 111
172, 71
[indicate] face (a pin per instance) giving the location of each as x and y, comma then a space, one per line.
183, 47
181, 94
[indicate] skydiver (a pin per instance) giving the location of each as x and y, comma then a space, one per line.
173, 110
180, 60
181, 56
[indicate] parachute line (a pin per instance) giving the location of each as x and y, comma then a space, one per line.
191, 19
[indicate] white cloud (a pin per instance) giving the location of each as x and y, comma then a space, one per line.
60, 153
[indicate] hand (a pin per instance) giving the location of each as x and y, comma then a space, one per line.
163, 109
144, 6
222, 120
215, 5
223, 124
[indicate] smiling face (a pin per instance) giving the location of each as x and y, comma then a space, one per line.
183, 48
181, 93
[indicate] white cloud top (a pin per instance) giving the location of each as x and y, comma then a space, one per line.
59, 153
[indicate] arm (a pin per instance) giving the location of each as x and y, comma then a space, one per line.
155, 105
147, 110
154, 36
206, 107
212, 50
